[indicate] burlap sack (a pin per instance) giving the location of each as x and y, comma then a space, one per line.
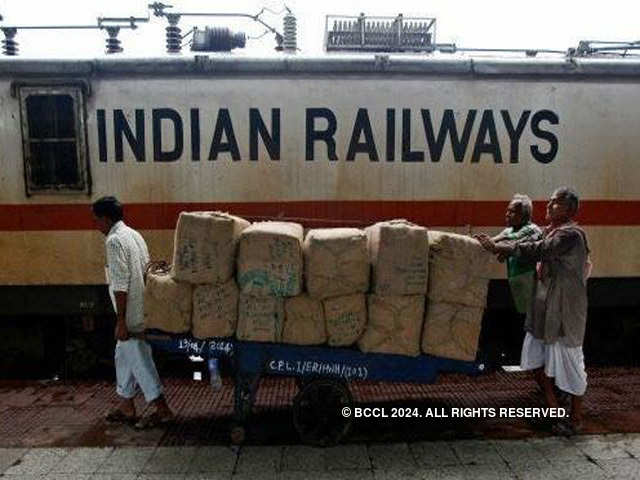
304, 321
451, 330
345, 318
167, 304
399, 254
204, 246
335, 262
215, 310
260, 319
394, 325
459, 269
270, 259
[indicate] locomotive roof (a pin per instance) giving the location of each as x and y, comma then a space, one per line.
293, 65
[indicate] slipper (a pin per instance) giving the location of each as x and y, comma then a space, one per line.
152, 421
564, 429
577, 426
118, 416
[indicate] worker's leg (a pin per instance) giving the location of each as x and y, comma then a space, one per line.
146, 375
576, 410
547, 388
125, 381
538, 375
532, 358
567, 366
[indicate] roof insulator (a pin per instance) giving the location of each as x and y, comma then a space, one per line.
174, 36
290, 35
9, 45
113, 44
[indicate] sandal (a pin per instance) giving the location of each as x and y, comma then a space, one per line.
118, 416
152, 421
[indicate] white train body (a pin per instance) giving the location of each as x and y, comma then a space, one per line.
344, 141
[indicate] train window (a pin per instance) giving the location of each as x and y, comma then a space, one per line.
54, 140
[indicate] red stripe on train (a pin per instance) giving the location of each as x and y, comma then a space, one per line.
160, 216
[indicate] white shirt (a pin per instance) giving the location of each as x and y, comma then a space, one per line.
127, 258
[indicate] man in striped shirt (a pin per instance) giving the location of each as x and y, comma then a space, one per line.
127, 258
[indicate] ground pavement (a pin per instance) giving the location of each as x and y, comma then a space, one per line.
585, 457
57, 430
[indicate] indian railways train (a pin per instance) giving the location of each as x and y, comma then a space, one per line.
326, 141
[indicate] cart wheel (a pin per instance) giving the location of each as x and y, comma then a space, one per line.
317, 412
302, 382
237, 435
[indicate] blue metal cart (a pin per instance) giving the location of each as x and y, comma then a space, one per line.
322, 374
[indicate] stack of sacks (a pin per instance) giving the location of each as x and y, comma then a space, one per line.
337, 272
204, 256
399, 254
269, 269
167, 303
458, 283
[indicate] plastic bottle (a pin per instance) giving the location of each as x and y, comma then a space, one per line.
214, 374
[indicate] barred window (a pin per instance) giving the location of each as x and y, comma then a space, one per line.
54, 140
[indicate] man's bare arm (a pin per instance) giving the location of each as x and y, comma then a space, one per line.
122, 332
499, 238
551, 247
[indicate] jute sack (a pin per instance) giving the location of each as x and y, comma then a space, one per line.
394, 325
399, 254
204, 246
304, 321
215, 310
451, 330
345, 318
270, 259
260, 319
459, 269
335, 262
167, 303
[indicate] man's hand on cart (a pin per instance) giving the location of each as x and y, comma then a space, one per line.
502, 249
486, 241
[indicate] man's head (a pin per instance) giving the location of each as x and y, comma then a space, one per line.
563, 205
519, 210
106, 212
